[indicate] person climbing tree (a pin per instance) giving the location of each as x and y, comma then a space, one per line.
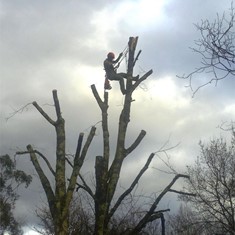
110, 67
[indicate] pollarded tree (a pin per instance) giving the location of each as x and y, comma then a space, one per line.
60, 195
107, 177
212, 181
107, 173
10, 180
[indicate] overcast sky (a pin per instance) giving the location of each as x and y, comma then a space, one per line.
61, 45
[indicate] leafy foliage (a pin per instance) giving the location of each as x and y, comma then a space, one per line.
10, 180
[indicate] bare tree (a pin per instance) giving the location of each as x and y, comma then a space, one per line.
212, 180
186, 222
60, 195
107, 173
108, 177
82, 217
217, 49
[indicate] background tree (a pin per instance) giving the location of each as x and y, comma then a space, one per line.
186, 222
212, 180
10, 180
217, 49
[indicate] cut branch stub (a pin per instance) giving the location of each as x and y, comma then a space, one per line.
141, 79
137, 142
57, 104
79, 145
132, 46
102, 104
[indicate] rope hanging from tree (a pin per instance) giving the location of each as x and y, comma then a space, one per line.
124, 55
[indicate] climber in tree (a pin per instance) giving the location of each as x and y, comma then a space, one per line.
110, 67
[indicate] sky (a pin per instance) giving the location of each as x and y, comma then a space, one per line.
47, 45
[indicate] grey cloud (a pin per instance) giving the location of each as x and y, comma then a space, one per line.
44, 42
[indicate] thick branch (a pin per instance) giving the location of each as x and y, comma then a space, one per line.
42, 156
57, 104
167, 189
137, 141
163, 223
159, 215
79, 146
132, 46
97, 97
87, 144
47, 162
44, 180
130, 66
145, 76
151, 211
44, 114
183, 193
73, 178
162, 211
78, 162
134, 183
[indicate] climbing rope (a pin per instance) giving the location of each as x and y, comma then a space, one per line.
124, 53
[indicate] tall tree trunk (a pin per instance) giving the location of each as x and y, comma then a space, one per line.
107, 178
59, 197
